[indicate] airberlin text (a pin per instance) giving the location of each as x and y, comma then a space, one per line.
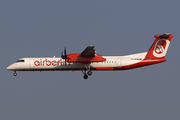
47, 62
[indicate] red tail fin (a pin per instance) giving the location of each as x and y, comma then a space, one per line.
159, 47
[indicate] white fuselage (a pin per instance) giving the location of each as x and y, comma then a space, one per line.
57, 63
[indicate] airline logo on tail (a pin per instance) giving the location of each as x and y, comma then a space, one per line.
161, 47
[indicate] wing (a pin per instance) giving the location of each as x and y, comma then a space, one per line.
87, 56
88, 52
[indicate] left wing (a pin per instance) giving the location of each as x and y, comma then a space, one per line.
87, 56
88, 52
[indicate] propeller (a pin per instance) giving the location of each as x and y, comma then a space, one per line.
64, 56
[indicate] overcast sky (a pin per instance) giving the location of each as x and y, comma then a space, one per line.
31, 28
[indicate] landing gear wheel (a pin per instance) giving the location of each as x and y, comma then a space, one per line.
85, 76
89, 72
15, 74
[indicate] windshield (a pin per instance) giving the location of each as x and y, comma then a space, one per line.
20, 61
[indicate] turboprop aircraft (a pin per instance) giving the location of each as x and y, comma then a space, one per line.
88, 60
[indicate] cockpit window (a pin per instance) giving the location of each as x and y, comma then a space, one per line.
20, 61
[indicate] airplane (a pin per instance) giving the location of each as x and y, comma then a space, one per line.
88, 60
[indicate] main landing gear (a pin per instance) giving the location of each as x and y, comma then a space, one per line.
89, 72
86, 75
15, 74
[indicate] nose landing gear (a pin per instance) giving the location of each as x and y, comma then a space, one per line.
15, 74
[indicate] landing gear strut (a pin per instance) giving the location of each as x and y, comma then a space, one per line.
15, 74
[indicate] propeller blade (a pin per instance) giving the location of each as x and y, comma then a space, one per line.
64, 56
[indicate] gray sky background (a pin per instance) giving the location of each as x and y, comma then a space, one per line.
43, 28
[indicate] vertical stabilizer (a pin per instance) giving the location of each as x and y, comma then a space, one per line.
159, 47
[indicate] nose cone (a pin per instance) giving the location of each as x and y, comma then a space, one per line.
10, 67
